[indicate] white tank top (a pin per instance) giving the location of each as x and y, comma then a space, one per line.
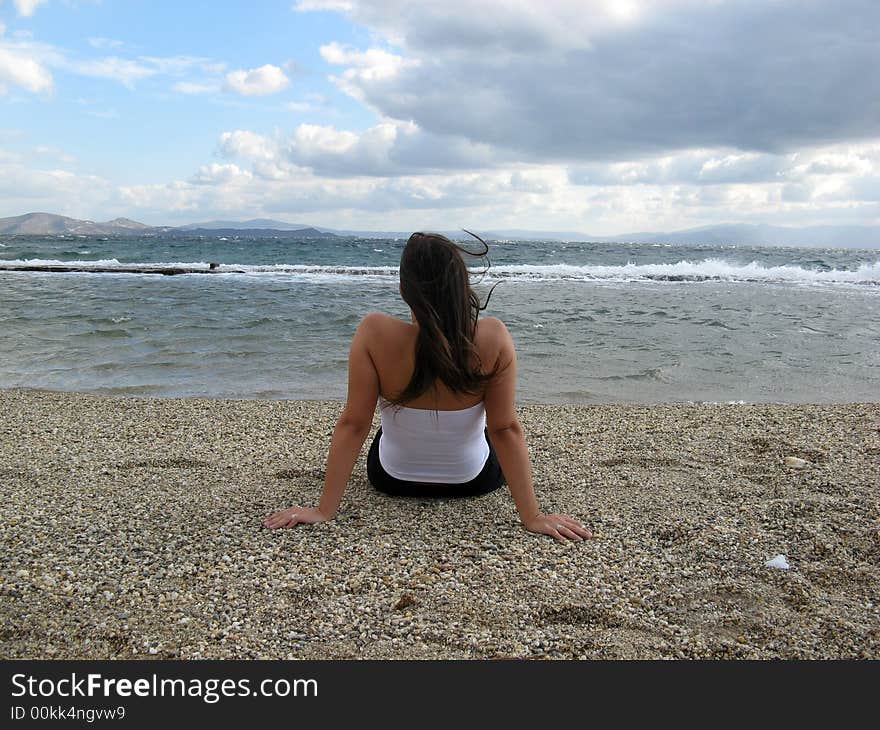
423, 445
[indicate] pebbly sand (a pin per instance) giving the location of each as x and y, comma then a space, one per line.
132, 528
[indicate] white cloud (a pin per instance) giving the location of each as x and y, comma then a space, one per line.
294, 194
123, 70
827, 184
740, 167
329, 151
265, 155
248, 145
27, 7
127, 71
170, 198
214, 174
58, 190
267, 79
374, 63
45, 55
50, 151
27, 63
264, 182
21, 70
386, 149
696, 167
309, 139
855, 160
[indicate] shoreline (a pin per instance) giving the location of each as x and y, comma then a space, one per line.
102, 393
132, 529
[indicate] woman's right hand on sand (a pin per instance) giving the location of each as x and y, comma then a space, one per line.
559, 527
293, 516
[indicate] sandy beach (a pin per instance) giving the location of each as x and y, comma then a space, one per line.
132, 528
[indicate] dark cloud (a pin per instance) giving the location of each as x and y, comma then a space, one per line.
696, 167
384, 150
761, 76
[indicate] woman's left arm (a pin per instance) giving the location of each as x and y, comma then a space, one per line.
351, 431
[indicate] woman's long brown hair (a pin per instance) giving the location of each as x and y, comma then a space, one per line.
435, 283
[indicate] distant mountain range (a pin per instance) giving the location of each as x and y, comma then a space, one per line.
49, 224
46, 223
249, 232
253, 224
739, 234
743, 234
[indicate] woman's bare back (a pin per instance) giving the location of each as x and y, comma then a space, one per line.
392, 349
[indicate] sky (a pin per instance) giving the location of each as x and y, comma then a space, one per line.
596, 116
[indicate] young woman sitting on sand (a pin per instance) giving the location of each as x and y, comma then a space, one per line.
446, 383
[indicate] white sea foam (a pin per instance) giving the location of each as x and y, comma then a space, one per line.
706, 270
55, 262
313, 273
681, 271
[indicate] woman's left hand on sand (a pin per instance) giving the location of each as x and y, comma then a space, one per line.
293, 516
559, 527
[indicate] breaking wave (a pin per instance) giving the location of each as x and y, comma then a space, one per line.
681, 271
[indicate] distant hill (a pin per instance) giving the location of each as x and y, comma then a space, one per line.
741, 234
735, 234
48, 223
762, 235
247, 232
728, 233
251, 224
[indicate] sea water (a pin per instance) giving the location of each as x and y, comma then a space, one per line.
592, 322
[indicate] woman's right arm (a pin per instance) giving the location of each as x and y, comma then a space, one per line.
349, 435
508, 439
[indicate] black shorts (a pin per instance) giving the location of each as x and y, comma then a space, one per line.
488, 480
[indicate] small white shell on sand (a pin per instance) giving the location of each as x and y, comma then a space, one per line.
779, 561
795, 462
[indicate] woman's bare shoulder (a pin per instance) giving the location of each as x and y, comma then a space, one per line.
381, 320
378, 326
493, 341
491, 330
